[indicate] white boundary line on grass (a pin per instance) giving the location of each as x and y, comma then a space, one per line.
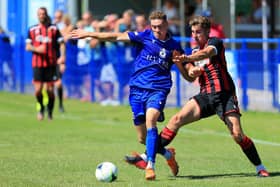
227, 135
205, 132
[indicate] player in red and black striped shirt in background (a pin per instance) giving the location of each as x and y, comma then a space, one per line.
43, 41
217, 92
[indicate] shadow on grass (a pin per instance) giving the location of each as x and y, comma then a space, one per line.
272, 174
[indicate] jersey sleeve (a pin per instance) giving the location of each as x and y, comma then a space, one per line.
28, 37
137, 37
216, 43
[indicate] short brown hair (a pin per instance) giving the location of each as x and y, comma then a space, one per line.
204, 22
158, 15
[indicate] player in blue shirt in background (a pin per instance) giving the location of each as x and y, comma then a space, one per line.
150, 83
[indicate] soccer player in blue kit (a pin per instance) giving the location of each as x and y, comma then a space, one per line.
150, 83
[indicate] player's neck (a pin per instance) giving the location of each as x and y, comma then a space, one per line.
166, 37
204, 43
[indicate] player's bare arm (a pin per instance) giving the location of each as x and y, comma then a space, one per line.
61, 59
207, 52
193, 71
40, 49
102, 36
177, 60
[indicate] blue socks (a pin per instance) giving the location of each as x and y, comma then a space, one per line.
151, 144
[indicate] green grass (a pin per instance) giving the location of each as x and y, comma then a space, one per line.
65, 151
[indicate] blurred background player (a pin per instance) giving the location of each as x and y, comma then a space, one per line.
109, 55
85, 55
58, 19
170, 8
150, 82
7, 75
124, 66
141, 23
216, 29
59, 22
43, 46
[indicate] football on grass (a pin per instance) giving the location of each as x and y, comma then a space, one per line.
106, 172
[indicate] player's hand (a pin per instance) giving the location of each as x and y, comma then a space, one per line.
29, 47
41, 49
175, 53
177, 57
195, 72
78, 33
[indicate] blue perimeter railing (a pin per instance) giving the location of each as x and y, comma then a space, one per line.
253, 69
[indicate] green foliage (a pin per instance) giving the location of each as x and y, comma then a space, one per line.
65, 151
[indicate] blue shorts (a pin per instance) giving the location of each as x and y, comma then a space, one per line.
141, 99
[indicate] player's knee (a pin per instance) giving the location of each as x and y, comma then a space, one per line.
176, 121
50, 93
237, 137
38, 92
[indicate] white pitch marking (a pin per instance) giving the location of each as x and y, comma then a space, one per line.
207, 132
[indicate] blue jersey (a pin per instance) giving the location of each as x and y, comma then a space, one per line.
153, 61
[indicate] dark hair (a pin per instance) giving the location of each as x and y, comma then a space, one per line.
48, 18
204, 22
158, 15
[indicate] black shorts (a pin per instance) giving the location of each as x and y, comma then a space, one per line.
47, 74
220, 103
58, 72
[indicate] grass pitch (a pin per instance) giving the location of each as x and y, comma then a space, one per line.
65, 151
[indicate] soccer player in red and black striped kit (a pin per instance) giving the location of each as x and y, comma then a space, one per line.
43, 40
217, 93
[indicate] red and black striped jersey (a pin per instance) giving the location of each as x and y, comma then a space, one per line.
50, 37
215, 76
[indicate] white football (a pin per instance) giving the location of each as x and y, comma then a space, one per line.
106, 172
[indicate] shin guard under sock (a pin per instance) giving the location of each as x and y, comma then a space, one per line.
151, 143
60, 95
39, 98
248, 147
165, 137
51, 102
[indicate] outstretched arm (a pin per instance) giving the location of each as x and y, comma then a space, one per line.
102, 36
207, 52
191, 72
178, 60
